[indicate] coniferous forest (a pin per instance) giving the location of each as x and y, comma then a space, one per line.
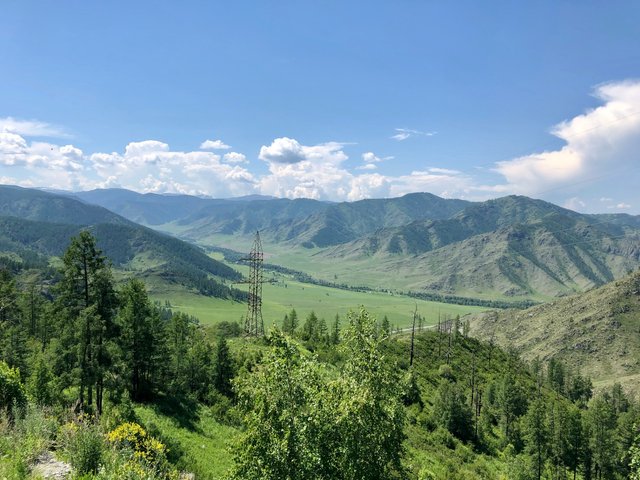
82, 357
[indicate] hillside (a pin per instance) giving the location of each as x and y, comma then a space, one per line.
347, 221
38, 205
423, 236
512, 246
595, 332
196, 217
24, 234
239, 217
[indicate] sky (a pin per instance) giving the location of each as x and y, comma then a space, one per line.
330, 100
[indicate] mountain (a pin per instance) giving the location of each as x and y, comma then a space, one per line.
347, 221
299, 221
240, 217
512, 246
196, 217
425, 235
148, 208
44, 206
25, 234
595, 333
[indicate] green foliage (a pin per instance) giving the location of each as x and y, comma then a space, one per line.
12, 392
452, 411
84, 446
224, 368
40, 386
302, 424
141, 340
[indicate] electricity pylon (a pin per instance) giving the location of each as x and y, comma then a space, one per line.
253, 323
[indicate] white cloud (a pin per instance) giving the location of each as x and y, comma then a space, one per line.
446, 171
235, 157
282, 150
598, 143
149, 166
214, 145
30, 128
404, 133
297, 170
370, 157
289, 151
621, 206
367, 166
575, 204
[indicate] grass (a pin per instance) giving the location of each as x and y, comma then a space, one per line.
283, 295
202, 447
390, 272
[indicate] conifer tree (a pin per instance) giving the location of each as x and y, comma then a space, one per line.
87, 299
141, 338
224, 371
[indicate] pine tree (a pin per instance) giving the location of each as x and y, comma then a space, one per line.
140, 340
224, 371
386, 327
87, 303
335, 331
536, 433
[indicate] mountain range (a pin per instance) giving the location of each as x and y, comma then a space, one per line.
38, 224
510, 247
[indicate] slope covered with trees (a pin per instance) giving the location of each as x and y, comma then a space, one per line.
40, 225
596, 331
341, 400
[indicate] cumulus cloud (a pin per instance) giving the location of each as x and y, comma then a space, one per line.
153, 167
214, 145
370, 157
149, 166
404, 133
600, 142
235, 157
621, 206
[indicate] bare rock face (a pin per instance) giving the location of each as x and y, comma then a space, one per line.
48, 467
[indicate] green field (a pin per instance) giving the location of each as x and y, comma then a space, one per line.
389, 272
283, 295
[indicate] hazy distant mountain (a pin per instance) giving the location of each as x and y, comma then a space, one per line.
33, 204
596, 332
148, 208
245, 217
347, 221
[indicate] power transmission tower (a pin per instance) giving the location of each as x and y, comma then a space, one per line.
253, 323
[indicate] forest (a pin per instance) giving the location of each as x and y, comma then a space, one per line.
315, 399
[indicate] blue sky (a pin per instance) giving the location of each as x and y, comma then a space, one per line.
333, 100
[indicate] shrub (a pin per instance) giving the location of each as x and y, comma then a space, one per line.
84, 446
144, 456
12, 392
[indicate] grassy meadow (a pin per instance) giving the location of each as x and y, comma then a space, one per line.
284, 294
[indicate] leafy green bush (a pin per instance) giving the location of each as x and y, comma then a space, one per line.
12, 392
84, 446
